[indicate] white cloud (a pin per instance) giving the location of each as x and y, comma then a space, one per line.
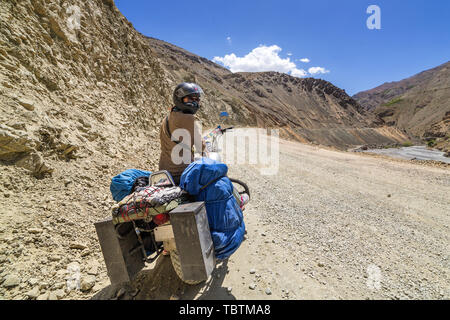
229, 40
305, 60
289, 54
316, 70
299, 73
262, 58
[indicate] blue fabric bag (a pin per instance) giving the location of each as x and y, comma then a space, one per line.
121, 184
226, 220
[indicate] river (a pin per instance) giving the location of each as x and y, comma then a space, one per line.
414, 152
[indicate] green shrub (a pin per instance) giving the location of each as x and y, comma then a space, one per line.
393, 101
407, 144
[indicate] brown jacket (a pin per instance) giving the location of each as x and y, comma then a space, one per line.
177, 120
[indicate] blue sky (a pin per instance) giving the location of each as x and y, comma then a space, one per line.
332, 35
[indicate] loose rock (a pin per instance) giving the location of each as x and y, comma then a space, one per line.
44, 296
27, 103
11, 281
33, 293
52, 296
60, 294
78, 246
87, 283
35, 230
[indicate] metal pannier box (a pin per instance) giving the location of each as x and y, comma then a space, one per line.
123, 257
193, 240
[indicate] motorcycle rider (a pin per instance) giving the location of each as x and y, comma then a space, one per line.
186, 97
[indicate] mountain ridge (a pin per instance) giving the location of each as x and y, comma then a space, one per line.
302, 108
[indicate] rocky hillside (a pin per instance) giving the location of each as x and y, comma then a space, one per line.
82, 95
419, 104
78, 104
71, 93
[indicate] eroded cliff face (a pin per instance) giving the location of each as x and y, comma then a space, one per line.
80, 101
72, 88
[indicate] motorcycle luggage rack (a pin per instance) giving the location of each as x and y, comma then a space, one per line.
146, 258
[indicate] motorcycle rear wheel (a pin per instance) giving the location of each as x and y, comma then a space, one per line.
242, 184
175, 258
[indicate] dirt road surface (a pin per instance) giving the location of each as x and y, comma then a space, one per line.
336, 225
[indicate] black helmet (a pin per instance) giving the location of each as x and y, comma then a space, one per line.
185, 89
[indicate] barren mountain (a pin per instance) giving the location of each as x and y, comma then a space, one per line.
419, 104
307, 110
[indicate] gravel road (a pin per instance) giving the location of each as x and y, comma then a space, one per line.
329, 225
337, 225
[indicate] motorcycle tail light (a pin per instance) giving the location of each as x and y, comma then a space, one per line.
161, 218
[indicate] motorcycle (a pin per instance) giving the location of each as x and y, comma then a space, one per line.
181, 229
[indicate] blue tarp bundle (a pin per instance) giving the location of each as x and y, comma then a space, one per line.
225, 218
121, 184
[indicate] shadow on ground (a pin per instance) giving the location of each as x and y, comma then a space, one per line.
161, 283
